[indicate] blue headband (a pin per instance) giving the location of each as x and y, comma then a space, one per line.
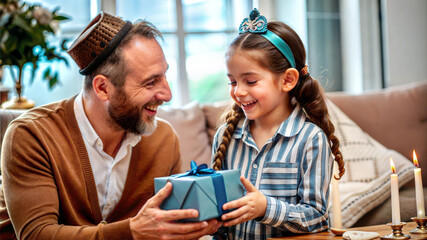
257, 23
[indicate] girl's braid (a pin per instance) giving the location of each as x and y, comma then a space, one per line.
232, 118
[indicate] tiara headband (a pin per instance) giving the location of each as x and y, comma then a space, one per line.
257, 23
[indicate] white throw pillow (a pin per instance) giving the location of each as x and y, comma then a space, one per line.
190, 124
366, 182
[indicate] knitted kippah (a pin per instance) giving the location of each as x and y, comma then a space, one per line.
98, 41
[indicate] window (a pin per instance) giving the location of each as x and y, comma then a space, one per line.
344, 43
324, 43
196, 36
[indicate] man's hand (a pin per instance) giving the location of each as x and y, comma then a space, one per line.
151, 222
251, 206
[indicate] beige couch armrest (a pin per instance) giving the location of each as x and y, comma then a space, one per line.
6, 116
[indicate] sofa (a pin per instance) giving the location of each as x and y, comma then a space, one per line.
372, 127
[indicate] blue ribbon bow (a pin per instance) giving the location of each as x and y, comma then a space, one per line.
201, 169
217, 180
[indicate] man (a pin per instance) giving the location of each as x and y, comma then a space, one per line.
83, 168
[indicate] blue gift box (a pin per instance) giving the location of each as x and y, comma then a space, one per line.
203, 189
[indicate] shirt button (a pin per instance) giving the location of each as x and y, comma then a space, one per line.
255, 166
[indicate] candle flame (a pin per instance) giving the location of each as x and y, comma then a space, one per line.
415, 160
393, 168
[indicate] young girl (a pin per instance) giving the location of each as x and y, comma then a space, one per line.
278, 133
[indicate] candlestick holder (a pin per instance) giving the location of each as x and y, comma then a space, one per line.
396, 232
421, 228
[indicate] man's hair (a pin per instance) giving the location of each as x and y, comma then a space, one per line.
115, 67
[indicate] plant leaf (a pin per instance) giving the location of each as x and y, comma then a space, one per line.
4, 19
19, 21
53, 81
60, 18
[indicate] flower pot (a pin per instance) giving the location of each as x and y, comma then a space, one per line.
18, 103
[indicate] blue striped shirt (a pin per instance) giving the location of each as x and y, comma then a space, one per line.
293, 170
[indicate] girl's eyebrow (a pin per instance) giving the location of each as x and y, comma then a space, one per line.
243, 74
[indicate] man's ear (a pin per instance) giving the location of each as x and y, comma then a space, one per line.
289, 79
101, 87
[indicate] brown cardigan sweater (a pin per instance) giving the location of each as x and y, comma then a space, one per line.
48, 184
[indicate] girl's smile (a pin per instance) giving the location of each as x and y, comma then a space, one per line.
247, 106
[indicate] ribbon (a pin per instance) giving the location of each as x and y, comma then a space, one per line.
217, 180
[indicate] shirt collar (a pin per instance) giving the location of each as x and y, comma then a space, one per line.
288, 128
87, 130
293, 125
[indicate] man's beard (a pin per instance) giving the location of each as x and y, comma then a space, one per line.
129, 117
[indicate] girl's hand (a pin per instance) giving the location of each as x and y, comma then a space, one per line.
251, 206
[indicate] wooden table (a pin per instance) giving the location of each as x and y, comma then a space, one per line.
382, 230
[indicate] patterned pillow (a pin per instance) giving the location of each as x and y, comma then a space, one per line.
366, 182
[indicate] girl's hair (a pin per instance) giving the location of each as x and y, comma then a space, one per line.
114, 67
307, 92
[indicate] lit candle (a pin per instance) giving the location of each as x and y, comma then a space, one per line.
336, 202
395, 207
419, 195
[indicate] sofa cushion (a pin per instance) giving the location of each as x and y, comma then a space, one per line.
396, 117
190, 124
366, 183
213, 113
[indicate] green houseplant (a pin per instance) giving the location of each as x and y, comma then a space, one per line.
25, 31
